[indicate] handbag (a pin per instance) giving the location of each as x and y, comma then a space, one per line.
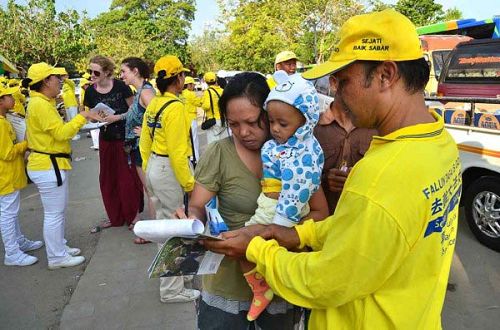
208, 123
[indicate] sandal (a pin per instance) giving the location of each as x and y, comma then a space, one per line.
139, 240
131, 226
98, 228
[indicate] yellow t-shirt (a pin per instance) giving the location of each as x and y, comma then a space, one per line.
205, 100
382, 260
20, 101
12, 174
47, 132
171, 137
68, 94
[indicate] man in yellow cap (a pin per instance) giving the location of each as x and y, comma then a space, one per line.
192, 103
286, 61
19, 98
210, 104
383, 259
70, 100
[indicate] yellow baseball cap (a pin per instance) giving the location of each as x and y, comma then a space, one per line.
7, 90
171, 65
189, 80
284, 56
39, 71
210, 77
379, 36
86, 75
13, 82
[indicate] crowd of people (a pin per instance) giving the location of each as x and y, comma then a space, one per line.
321, 198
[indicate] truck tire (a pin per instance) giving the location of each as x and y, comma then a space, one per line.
482, 210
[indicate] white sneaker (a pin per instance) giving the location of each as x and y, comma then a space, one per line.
73, 251
27, 245
22, 260
76, 137
70, 261
185, 295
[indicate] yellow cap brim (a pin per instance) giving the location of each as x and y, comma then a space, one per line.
9, 91
61, 71
326, 68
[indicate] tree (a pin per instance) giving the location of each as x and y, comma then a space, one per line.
144, 28
452, 14
207, 50
34, 33
421, 12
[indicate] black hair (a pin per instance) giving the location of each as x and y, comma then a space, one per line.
222, 82
162, 83
35, 87
252, 85
415, 73
139, 64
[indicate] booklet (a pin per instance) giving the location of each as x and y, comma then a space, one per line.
19, 125
181, 253
104, 108
91, 126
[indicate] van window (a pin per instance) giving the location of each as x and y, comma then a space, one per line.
475, 64
439, 58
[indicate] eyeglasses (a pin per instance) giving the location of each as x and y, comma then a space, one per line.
94, 72
58, 76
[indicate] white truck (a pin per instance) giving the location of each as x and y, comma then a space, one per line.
475, 125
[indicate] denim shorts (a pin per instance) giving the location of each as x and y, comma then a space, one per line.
212, 318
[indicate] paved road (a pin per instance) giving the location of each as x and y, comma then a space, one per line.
34, 297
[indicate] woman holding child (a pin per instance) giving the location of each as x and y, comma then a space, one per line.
231, 169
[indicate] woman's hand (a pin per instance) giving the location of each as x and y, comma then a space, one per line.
180, 214
234, 245
137, 131
112, 118
89, 115
336, 179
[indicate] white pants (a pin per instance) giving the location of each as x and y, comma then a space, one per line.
196, 142
95, 138
167, 195
9, 224
217, 132
54, 201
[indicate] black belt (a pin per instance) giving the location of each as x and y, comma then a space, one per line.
157, 154
53, 159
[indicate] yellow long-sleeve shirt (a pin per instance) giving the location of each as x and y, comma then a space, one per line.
382, 260
192, 103
12, 174
20, 101
205, 102
171, 137
47, 132
68, 94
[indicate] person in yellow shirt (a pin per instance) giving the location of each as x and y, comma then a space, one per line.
12, 180
50, 159
165, 149
19, 98
85, 82
286, 61
210, 104
70, 101
382, 260
192, 103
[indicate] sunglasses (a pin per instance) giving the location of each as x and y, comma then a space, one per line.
94, 72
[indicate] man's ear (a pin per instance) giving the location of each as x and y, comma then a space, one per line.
388, 74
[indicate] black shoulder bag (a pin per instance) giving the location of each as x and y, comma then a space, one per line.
208, 123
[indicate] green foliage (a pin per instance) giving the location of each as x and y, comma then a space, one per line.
207, 51
144, 28
452, 14
35, 32
421, 12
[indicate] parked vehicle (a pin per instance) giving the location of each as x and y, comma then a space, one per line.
477, 133
198, 86
436, 50
472, 70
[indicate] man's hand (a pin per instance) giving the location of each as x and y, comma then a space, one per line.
336, 179
234, 245
286, 237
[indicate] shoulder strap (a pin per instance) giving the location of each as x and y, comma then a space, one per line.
158, 114
211, 102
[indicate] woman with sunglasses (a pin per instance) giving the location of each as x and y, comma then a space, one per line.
50, 158
121, 188
165, 148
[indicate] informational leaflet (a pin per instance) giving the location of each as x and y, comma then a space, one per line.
104, 108
19, 125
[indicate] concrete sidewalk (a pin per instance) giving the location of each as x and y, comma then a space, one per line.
115, 293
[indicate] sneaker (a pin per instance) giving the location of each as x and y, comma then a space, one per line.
27, 245
70, 261
22, 260
185, 295
76, 137
73, 251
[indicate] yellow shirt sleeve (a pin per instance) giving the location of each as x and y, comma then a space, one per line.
60, 131
350, 265
8, 150
177, 138
205, 103
145, 140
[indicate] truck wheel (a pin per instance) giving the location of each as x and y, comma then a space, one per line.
482, 210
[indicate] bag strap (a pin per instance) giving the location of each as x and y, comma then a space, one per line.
192, 147
158, 114
211, 102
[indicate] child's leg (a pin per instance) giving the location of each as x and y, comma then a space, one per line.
262, 293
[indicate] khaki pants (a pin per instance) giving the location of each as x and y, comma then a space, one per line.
167, 195
216, 132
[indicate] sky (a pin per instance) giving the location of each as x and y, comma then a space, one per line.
207, 10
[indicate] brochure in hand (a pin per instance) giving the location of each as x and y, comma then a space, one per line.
181, 253
104, 108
